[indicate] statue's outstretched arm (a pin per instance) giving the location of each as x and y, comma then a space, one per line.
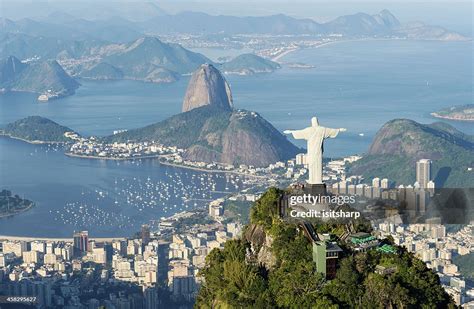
299, 134
331, 133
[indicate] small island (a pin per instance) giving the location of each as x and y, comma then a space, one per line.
299, 65
13, 204
248, 64
38, 130
459, 112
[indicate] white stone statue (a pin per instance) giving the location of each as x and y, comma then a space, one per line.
315, 135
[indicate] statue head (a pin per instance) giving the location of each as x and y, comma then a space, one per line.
314, 122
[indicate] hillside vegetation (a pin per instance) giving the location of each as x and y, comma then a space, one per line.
271, 267
37, 129
247, 64
37, 77
211, 134
401, 142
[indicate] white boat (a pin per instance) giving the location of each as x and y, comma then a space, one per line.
43, 98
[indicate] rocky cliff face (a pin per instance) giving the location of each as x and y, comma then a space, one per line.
207, 87
244, 138
260, 246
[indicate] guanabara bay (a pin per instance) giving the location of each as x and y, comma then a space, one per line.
239, 154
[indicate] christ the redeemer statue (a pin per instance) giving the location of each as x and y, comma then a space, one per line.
315, 135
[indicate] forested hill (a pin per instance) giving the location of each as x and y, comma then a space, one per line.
212, 134
401, 142
36, 129
271, 267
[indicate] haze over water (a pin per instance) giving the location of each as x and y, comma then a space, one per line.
357, 85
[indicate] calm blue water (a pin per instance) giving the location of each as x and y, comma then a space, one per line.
357, 85
108, 198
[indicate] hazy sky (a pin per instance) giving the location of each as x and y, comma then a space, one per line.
453, 14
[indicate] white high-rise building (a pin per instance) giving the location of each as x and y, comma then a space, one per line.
216, 209
343, 187
301, 159
384, 183
438, 231
360, 188
423, 172
376, 182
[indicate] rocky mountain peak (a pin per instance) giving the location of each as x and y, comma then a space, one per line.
207, 87
388, 19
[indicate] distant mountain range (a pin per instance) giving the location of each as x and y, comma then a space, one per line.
150, 59
70, 11
146, 59
120, 29
358, 24
39, 77
401, 142
118, 48
355, 25
26, 46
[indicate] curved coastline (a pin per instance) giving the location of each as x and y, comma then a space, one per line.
436, 115
209, 170
34, 142
110, 158
6, 215
278, 58
194, 168
73, 155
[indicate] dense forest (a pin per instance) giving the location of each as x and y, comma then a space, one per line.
286, 277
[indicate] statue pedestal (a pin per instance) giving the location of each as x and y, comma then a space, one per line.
315, 189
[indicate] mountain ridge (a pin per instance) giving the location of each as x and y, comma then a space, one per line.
120, 30
146, 59
381, 23
38, 77
401, 142
212, 134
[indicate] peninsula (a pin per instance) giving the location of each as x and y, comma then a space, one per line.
38, 130
12, 204
458, 112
